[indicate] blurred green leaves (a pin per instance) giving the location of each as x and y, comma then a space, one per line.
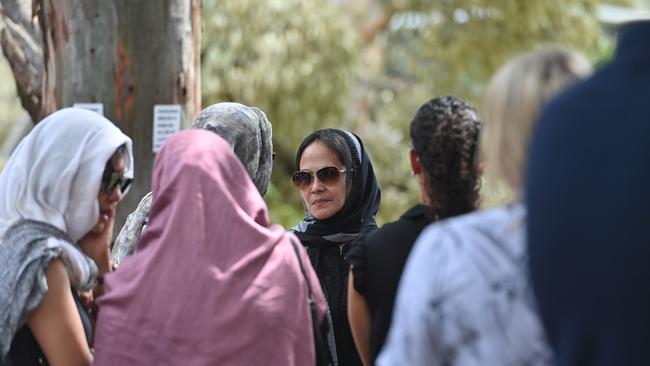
452, 47
367, 65
294, 59
364, 65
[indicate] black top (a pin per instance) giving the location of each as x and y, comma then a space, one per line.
378, 262
333, 271
588, 198
25, 350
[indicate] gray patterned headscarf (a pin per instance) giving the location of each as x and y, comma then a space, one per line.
246, 129
249, 133
26, 249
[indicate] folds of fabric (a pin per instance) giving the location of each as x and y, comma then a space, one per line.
327, 242
212, 282
26, 250
249, 133
54, 174
48, 201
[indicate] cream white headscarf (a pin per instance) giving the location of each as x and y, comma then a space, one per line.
54, 174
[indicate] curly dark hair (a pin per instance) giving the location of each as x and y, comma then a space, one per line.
444, 135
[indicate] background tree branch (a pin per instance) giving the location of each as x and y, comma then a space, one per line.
21, 42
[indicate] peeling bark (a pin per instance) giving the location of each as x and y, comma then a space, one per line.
157, 61
128, 55
21, 45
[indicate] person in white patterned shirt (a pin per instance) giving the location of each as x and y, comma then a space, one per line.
464, 298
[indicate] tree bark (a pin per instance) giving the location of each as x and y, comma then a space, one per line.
22, 46
128, 55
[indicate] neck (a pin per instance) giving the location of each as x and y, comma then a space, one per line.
424, 196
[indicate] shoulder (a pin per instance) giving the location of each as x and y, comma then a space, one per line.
571, 107
458, 248
459, 268
410, 223
392, 241
463, 231
57, 273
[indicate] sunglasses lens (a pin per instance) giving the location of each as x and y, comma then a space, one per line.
116, 181
328, 175
126, 183
110, 184
301, 179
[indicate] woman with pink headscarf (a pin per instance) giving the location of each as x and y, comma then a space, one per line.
212, 283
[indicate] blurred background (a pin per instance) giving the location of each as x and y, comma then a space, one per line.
366, 66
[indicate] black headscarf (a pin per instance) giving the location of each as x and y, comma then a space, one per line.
323, 239
357, 215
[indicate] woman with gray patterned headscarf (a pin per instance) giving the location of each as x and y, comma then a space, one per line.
246, 129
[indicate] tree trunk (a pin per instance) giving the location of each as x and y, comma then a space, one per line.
128, 55
21, 40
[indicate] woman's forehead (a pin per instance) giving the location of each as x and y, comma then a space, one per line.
318, 155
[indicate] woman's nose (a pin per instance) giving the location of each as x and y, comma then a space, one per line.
317, 185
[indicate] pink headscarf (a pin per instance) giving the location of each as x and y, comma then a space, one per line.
212, 283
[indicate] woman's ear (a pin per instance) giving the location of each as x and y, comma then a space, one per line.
480, 167
416, 166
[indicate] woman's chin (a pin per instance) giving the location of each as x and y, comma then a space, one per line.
322, 214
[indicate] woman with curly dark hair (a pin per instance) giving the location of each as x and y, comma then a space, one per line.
464, 296
444, 135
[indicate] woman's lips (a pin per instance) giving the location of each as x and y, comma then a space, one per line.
319, 202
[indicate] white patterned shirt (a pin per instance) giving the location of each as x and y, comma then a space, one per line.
464, 298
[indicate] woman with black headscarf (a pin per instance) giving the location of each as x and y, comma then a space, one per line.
339, 212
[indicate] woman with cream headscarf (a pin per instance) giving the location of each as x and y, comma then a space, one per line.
212, 282
246, 129
59, 191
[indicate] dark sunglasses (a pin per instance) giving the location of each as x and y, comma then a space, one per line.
113, 179
328, 175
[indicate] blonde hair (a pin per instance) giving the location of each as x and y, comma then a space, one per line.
516, 95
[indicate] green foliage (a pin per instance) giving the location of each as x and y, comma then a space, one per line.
477, 36
294, 59
625, 3
309, 64
452, 47
307, 67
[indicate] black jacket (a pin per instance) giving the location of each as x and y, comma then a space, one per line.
588, 200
